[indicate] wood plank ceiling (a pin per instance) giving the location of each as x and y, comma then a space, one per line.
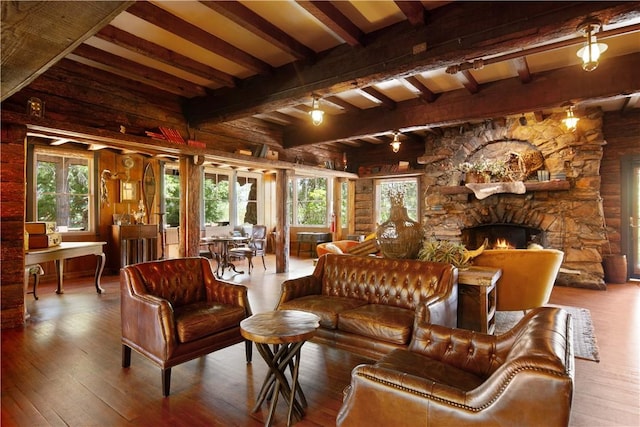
377, 67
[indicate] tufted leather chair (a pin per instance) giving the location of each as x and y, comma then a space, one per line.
456, 377
175, 310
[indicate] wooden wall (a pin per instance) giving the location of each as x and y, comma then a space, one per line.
622, 133
12, 211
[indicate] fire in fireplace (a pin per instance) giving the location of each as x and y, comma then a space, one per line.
502, 236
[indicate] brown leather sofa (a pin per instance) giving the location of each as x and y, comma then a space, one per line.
175, 310
455, 377
369, 305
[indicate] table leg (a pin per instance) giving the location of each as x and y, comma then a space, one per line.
278, 363
99, 267
60, 271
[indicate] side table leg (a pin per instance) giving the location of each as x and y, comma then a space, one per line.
60, 270
99, 267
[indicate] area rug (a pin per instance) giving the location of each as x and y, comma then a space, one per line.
585, 345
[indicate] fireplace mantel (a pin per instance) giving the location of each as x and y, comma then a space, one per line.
556, 185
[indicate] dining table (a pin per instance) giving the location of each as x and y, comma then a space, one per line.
221, 255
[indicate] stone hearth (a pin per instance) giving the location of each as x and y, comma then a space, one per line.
570, 219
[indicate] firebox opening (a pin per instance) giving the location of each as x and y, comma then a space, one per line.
517, 236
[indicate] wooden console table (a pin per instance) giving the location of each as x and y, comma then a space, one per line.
477, 298
64, 251
312, 239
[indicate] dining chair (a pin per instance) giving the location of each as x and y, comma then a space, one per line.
257, 246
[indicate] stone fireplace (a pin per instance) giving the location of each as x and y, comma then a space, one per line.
564, 214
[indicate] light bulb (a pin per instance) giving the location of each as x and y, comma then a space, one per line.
316, 117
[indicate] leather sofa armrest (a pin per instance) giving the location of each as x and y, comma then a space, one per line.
300, 287
140, 326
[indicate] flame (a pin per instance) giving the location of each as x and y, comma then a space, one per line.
502, 244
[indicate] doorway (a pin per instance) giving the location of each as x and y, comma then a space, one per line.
630, 221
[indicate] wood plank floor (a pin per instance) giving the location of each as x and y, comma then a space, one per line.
63, 368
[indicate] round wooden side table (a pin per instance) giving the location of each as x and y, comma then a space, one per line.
286, 331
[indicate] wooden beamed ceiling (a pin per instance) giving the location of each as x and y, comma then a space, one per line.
378, 67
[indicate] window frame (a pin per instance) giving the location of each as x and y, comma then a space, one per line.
92, 208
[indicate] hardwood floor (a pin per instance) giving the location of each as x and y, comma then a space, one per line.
63, 367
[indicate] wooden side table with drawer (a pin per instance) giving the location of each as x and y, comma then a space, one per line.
477, 298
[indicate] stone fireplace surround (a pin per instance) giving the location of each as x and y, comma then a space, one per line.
569, 219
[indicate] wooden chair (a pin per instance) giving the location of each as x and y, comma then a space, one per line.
257, 246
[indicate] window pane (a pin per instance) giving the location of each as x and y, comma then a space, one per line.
409, 188
63, 190
247, 198
344, 188
172, 197
216, 198
311, 201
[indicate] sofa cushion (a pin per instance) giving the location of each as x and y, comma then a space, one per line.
382, 322
328, 308
200, 319
364, 248
415, 364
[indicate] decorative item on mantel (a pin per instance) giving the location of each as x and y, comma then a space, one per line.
399, 237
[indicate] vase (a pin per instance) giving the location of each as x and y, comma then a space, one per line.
399, 237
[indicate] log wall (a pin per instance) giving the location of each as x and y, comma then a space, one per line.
12, 213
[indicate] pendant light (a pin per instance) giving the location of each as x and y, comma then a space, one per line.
591, 50
317, 115
395, 144
571, 121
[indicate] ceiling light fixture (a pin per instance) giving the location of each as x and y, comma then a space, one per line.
591, 50
571, 121
395, 144
317, 115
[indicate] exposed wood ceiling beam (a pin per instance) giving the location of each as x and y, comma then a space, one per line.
413, 10
523, 69
341, 103
283, 119
387, 102
152, 76
159, 53
468, 81
424, 92
253, 22
498, 99
332, 18
163, 19
389, 54
23, 24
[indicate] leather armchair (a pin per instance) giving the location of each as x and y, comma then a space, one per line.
528, 276
456, 377
175, 310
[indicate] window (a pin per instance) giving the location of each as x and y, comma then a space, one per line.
247, 199
409, 187
64, 189
308, 201
172, 195
216, 198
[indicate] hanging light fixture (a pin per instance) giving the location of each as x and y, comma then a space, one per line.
570, 121
317, 115
395, 144
591, 50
